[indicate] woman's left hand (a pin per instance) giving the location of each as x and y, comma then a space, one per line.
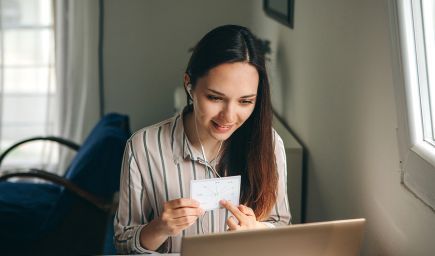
245, 216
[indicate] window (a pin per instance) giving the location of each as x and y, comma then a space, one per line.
27, 78
413, 36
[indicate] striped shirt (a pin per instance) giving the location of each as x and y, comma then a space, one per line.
159, 162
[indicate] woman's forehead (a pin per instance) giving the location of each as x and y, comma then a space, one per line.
238, 76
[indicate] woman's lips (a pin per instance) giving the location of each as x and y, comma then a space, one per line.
221, 128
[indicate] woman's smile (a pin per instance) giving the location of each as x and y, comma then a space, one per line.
221, 128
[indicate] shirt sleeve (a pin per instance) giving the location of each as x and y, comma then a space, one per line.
280, 214
134, 207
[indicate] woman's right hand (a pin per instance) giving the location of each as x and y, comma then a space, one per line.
178, 215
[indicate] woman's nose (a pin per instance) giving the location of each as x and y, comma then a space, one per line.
228, 113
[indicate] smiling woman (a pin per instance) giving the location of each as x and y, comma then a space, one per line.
225, 130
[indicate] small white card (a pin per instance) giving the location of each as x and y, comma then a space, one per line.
209, 192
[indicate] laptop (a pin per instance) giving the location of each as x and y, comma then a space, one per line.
331, 238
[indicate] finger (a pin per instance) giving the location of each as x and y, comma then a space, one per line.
246, 210
182, 227
233, 209
186, 211
232, 224
185, 221
182, 202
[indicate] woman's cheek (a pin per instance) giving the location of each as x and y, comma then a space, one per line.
248, 113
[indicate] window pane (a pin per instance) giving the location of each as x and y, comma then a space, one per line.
31, 155
26, 110
16, 13
28, 47
15, 131
29, 88
23, 117
28, 80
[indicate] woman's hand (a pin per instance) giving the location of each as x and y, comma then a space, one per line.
245, 217
178, 215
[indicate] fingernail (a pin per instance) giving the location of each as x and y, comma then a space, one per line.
222, 201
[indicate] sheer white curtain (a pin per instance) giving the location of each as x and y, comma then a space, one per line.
77, 69
27, 83
48, 77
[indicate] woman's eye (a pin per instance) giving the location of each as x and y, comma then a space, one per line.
246, 102
213, 98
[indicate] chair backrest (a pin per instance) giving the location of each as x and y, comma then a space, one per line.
96, 166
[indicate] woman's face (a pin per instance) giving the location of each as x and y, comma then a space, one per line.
224, 99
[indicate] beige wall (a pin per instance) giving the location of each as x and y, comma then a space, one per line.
146, 50
331, 79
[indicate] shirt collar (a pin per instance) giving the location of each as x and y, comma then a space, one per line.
182, 148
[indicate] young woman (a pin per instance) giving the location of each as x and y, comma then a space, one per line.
225, 130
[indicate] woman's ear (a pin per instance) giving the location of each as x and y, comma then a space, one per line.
186, 80
188, 85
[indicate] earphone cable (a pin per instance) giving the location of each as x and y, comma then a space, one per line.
207, 164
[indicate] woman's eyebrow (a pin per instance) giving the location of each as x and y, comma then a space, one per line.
216, 92
248, 96
221, 94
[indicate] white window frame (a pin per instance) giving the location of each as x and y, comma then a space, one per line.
417, 155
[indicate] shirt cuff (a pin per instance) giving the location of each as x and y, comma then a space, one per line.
164, 248
268, 224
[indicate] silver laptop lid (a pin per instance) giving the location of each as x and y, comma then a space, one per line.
332, 238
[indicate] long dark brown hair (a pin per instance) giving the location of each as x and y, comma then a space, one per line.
249, 151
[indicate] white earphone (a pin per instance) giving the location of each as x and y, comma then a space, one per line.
189, 90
